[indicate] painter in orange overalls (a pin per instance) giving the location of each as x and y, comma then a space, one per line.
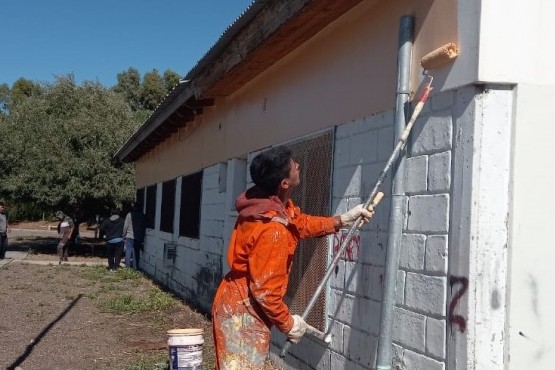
249, 300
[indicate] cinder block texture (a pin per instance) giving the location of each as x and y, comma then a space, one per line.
432, 134
429, 213
413, 250
425, 293
416, 174
439, 171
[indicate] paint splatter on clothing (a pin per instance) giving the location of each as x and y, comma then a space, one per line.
249, 300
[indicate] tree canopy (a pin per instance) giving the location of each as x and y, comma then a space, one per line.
57, 142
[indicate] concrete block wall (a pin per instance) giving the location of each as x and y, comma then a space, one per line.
446, 272
212, 220
420, 325
361, 149
355, 290
197, 269
449, 162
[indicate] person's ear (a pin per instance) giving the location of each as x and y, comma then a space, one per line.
284, 184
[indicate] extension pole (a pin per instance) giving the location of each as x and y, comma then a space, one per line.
398, 198
372, 198
400, 145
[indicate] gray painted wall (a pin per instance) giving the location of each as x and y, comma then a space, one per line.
451, 291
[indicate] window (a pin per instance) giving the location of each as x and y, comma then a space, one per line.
189, 215
140, 198
315, 156
150, 212
168, 206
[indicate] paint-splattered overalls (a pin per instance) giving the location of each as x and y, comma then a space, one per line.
250, 298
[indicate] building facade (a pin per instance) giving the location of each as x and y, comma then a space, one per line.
321, 76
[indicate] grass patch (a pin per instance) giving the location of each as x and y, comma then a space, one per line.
112, 291
157, 300
158, 361
99, 273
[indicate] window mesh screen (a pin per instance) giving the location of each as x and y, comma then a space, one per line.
313, 197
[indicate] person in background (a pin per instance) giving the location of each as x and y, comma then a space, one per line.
4, 228
250, 298
65, 230
112, 229
134, 235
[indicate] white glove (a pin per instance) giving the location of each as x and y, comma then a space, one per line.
298, 329
348, 218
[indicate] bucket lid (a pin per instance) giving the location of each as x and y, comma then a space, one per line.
191, 331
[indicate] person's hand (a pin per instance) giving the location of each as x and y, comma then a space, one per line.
348, 218
298, 329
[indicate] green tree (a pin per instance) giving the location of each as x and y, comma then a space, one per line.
23, 89
171, 79
152, 90
129, 85
4, 96
57, 149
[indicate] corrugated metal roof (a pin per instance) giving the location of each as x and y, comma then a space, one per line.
285, 24
152, 122
230, 32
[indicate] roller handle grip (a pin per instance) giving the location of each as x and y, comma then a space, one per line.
326, 338
377, 199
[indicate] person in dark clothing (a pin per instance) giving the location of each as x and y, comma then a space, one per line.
3, 232
134, 235
112, 229
65, 231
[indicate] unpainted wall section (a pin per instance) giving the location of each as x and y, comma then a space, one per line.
345, 72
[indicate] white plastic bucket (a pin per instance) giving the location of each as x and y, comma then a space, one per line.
185, 346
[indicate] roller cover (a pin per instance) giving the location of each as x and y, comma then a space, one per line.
440, 56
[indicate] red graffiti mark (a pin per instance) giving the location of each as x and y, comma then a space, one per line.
351, 249
457, 319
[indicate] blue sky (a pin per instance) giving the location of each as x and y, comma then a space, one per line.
97, 39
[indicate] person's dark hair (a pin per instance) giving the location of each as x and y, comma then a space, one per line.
2, 204
268, 168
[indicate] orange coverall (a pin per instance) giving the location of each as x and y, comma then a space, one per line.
249, 299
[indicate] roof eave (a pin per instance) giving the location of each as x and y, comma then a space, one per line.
173, 101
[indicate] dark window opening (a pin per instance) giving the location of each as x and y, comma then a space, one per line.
140, 198
150, 211
168, 206
189, 214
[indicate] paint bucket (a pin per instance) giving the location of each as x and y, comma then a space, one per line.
185, 346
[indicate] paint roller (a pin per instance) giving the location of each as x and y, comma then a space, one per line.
440, 56
433, 60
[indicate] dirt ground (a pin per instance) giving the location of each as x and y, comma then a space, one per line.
51, 317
